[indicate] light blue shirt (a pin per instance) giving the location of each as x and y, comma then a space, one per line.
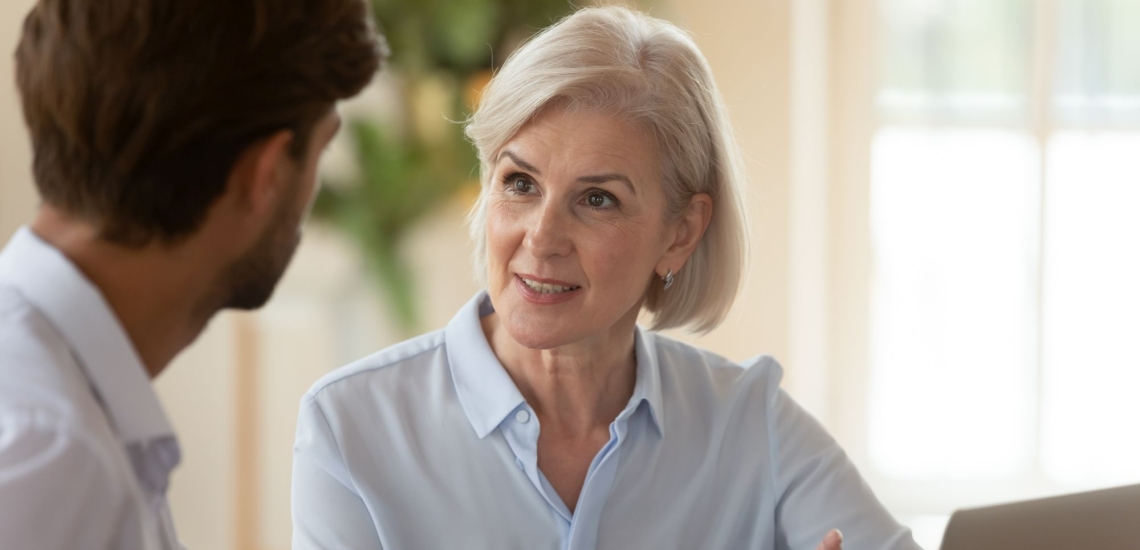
429, 444
86, 450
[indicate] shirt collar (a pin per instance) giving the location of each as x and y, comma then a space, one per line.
485, 390
648, 385
488, 394
78, 310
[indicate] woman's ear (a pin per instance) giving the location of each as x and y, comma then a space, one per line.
688, 232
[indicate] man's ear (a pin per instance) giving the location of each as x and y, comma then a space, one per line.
688, 233
259, 180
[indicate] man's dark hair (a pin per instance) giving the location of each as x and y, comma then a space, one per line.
138, 109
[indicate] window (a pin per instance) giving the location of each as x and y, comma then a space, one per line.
1005, 234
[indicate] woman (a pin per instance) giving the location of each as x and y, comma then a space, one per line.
611, 184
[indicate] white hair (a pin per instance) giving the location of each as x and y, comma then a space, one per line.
649, 72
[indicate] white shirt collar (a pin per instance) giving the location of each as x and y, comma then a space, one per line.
77, 309
486, 391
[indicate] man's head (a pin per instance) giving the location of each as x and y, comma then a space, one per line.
248, 281
151, 120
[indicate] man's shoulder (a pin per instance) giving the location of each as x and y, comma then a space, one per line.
58, 454
38, 373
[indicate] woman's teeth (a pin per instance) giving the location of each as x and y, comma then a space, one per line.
547, 289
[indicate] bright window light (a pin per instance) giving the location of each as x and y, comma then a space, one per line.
951, 378
1092, 309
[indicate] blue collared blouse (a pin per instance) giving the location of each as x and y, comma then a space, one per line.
429, 444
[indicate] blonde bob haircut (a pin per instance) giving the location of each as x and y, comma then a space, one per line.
650, 73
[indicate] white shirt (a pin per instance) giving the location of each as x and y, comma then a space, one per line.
85, 448
429, 444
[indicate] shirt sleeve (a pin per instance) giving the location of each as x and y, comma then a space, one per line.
57, 491
328, 513
819, 487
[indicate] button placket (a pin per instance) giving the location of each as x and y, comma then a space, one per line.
599, 482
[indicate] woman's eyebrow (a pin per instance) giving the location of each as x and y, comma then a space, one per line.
522, 163
595, 179
603, 178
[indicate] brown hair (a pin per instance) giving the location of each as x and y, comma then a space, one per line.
138, 109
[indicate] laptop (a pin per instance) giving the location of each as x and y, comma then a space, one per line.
1108, 519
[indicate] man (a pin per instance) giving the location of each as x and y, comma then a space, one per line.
176, 146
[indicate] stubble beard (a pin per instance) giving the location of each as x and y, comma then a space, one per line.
248, 283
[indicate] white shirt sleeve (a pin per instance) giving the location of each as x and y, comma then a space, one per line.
820, 489
56, 489
327, 511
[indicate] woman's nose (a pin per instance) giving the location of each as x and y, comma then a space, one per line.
547, 235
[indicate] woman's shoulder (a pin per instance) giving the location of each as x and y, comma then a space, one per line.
391, 362
695, 369
709, 401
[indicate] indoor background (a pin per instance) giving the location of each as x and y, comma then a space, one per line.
945, 242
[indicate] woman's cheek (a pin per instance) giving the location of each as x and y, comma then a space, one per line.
613, 248
504, 233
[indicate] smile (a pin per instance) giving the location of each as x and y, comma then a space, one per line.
544, 288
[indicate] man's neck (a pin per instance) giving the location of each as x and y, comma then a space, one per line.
160, 295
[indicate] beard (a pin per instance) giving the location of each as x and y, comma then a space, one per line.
249, 281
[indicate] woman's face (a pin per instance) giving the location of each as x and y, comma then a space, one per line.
576, 227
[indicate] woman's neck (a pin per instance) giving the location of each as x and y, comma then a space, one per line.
577, 388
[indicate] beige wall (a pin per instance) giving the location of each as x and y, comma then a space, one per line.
852, 68
17, 195
747, 45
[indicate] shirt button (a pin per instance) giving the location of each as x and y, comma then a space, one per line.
522, 417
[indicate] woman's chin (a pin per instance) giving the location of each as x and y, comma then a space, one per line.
538, 339
538, 336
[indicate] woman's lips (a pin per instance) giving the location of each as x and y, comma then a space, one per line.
545, 291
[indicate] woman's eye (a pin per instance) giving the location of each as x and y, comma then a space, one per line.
522, 186
599, 200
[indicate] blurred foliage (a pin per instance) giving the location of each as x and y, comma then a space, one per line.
461, 36
442, 55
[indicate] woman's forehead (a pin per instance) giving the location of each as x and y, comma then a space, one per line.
573, 140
